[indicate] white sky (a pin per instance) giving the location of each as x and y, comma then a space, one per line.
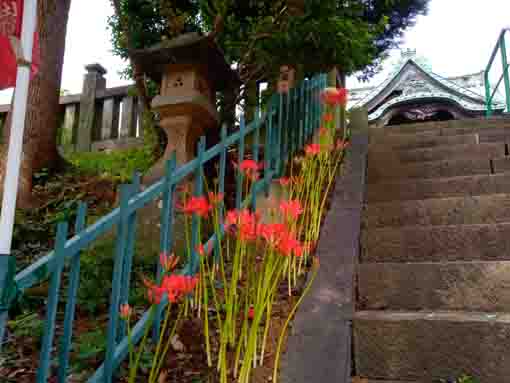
457, 37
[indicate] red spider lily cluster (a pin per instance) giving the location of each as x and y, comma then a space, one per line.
174, 286
291, 209
245, 222
196, 205
201, 206
312, 149
250, 168
278, 236
334, 96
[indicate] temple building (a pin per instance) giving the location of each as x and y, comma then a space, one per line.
414, 93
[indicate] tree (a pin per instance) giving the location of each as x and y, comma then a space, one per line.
41, 123
261, 35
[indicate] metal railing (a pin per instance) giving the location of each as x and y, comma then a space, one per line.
505, 77
290, 121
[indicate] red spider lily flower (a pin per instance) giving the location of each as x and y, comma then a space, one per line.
215, 199
292, 209
251, 313
328, 117
271, 232
245, 221
312, 149
249, 166
125, 311
284, 181
173, 286
167, 262
289, 245
341, 144
231, 218
334, 96
196, 205
250, 169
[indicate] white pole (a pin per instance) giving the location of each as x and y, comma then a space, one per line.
11, 177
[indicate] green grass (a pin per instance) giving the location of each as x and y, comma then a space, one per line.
117, 165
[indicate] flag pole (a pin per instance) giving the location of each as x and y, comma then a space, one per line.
12, 169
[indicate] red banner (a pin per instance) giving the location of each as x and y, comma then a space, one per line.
11, 16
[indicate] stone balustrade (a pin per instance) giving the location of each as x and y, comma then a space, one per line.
99, 118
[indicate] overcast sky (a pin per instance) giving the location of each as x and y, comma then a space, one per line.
457, 37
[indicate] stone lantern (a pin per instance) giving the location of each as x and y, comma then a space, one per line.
191, 69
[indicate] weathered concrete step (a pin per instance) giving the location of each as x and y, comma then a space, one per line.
485, 242
412, 189
434, 138
468, 286
494, 208
439, 153
388, 168
454, 125
427, 346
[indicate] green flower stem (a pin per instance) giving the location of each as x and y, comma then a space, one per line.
160, 342
134, 369
284, 329
167, 345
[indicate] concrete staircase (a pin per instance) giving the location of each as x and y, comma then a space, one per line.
433, 283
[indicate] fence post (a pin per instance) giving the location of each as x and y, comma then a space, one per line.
196, 220
120, 251
268, 149
240, 155
166, 234
488, 100
51, 313
74, 282
255, 148
128, 258
506, 75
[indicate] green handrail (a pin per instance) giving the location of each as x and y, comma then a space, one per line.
489, 96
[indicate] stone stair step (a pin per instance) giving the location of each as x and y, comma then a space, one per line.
485, 150
455, 126
431, 345
468, 286
426, 140
389, 168
494, 208
412, 189
429, 139
485, 242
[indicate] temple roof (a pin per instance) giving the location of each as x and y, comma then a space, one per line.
413, 82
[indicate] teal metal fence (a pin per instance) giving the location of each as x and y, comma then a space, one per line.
289, 122
505, 76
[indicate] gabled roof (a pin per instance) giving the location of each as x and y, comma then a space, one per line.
412, 82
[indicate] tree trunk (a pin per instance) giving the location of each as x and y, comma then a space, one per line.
42, 118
